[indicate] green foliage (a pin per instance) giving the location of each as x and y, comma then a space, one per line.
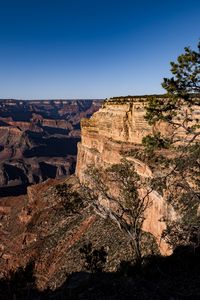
157, 159
153, 142
182, 89
126, 177
180, 181
129, 207
186, 73
160, 109
183, 233
70, 199
94, 259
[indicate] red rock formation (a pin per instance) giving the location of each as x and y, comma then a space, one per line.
39, 228
40, 225
120, 125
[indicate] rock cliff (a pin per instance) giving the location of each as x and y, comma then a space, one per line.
40, 226
117, 127
55, 219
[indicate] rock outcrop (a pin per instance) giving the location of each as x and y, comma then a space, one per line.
55, 219
117, 127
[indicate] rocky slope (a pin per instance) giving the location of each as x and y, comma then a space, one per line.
43, 227
38, 140
55, 219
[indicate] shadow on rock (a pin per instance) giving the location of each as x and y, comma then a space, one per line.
173, 277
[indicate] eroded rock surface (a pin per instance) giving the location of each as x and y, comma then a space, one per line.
119, 127
41, 227
38, 140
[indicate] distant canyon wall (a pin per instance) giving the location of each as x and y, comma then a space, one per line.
38, 140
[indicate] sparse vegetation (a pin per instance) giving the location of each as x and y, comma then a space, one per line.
180, 181
70, 199
93, 259
119, 185
156, 141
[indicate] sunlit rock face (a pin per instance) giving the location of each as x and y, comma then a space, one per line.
118, 126
104, 135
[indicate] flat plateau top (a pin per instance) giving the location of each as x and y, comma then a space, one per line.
140, 98
131, 99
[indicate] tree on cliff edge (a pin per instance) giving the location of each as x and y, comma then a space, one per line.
183, 90
113, 193
180, 110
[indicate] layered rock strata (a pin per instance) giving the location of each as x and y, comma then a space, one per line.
40, 227
117, 127
38, 140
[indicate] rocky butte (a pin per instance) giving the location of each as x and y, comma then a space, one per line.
47, 227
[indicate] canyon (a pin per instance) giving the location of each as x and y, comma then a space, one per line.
47, 227
38, 140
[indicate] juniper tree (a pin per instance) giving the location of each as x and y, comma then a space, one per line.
180, 109
119, 186
183, 94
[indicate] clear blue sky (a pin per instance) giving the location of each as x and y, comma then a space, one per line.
91, 48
